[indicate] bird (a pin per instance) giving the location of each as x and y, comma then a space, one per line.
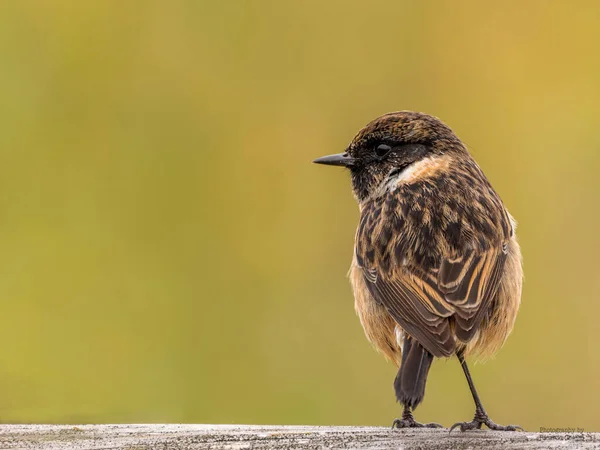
436, 270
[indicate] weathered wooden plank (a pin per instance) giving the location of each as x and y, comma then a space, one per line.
138, 437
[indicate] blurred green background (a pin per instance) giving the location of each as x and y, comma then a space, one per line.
170, 254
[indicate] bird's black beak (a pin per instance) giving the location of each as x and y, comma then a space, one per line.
339, 159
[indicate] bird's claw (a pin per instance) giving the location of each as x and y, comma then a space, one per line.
477, 422
412, 423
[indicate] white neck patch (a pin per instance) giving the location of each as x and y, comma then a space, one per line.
424, 168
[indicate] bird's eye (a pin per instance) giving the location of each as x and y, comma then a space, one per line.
382, 150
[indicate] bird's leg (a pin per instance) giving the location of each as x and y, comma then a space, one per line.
481, 416
408, 421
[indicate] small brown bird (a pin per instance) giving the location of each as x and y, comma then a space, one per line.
437, 268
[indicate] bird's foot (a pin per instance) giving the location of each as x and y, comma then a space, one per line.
480, 419
403, 423
410, 422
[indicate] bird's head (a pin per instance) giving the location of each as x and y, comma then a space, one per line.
390, 145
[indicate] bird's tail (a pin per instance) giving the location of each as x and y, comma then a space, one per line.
412, 375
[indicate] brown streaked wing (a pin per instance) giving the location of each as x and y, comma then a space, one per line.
436, 297
477, 287
463, 290
420, 311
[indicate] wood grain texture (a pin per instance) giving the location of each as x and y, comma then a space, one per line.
175, 436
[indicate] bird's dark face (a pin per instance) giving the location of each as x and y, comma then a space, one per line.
389, 145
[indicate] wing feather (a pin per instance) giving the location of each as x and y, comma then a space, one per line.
440, 300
